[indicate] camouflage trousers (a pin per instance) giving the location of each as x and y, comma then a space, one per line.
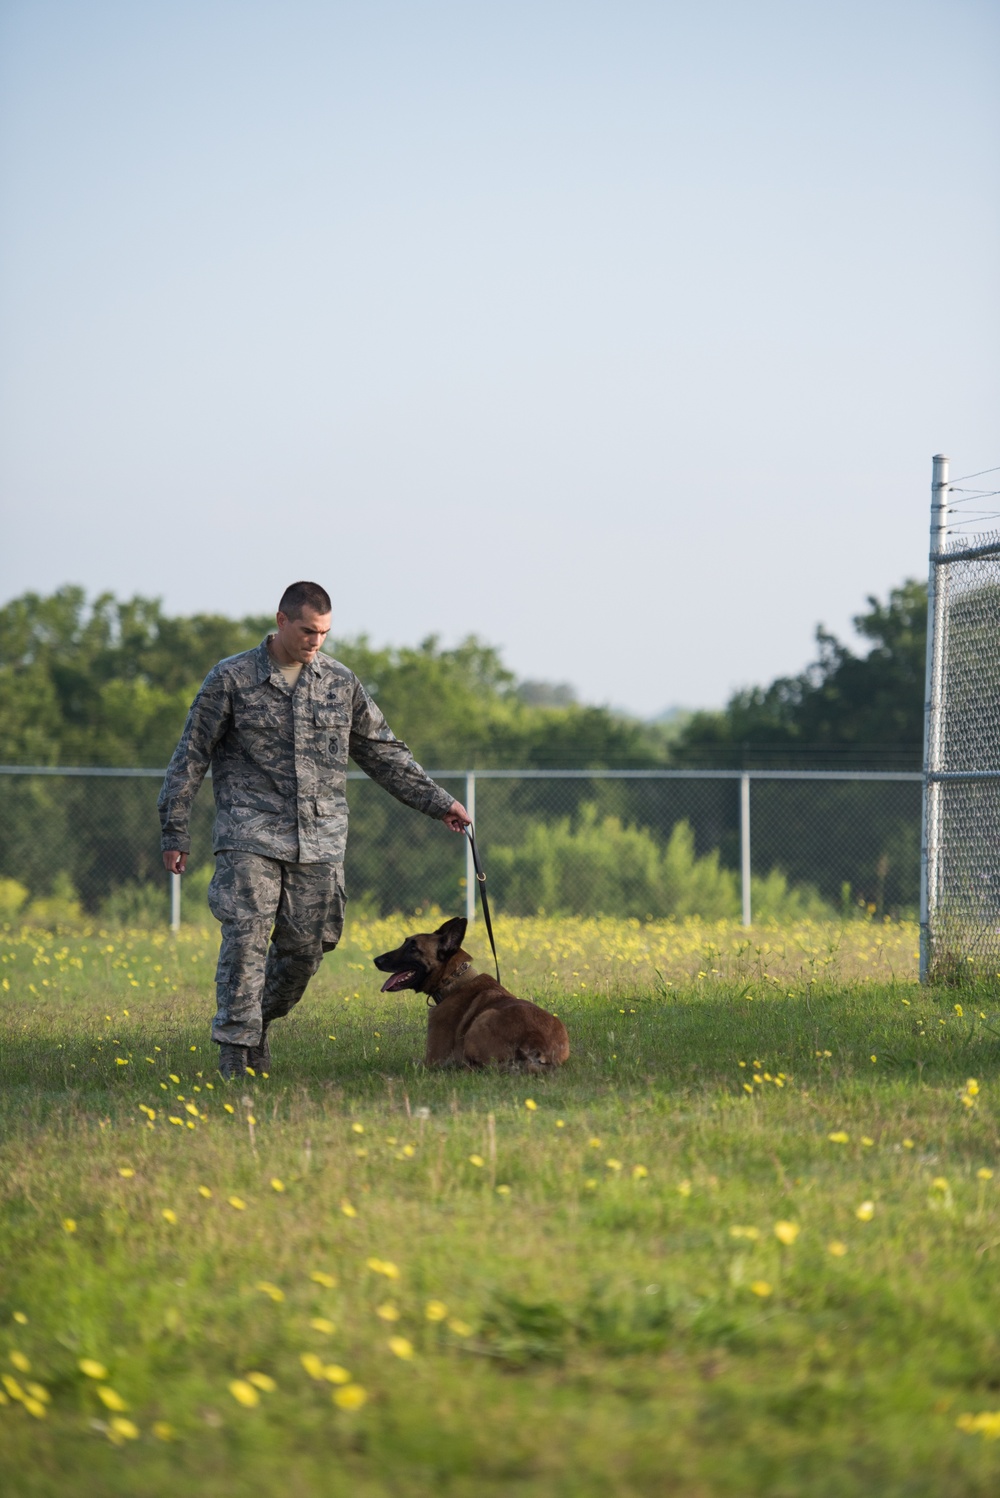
277, 921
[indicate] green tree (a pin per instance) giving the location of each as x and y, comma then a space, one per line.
844, 709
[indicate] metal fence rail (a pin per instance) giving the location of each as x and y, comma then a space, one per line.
734, 843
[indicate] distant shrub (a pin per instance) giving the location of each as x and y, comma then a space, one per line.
774, 899
59, 908
603, 867
12, 896
134, 904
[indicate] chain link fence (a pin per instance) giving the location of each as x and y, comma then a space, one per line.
960, 895
722, 844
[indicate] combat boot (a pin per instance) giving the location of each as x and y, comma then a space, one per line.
259, 1055
232, 1061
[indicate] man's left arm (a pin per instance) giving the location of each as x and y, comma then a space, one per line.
388, 761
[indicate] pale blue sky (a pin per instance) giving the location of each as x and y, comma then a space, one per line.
620, 334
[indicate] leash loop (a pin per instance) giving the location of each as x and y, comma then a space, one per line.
481, 881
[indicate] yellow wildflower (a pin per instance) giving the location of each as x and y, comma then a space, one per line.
761, 1288
387, 1312
786, 1232
401, 1346
92, 1368
266, 1288
836, 1248
435, 1310
262, 1381
244, 1393
320, 1324
277, 1185
383, 1266
111, 1398
320, 1277
237, 1203
865, 1212
350, 1397
20, 1362
334, 1374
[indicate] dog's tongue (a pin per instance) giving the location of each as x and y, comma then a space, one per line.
397, 980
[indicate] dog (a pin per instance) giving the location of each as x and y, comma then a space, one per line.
475, 1021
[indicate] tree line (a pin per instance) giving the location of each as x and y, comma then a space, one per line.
107, 682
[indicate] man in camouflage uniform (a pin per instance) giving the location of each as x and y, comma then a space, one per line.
277, 724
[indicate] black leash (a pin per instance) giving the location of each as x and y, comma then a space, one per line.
481, 881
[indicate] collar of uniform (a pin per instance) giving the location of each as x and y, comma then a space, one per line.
267, 666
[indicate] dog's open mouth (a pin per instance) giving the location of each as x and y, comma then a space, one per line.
399, 980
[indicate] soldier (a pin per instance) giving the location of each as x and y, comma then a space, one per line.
277, 724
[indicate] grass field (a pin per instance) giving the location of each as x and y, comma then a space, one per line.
745, 1242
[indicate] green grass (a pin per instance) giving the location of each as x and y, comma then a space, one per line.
605, 1331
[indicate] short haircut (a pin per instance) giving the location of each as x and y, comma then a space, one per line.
299, 596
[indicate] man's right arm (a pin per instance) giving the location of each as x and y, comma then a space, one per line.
207, 721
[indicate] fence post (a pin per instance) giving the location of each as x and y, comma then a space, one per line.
175, 902
930, 831
470, 868
745, 847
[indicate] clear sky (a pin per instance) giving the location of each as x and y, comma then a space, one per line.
620, 334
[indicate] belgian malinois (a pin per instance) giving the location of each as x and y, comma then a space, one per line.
474, 1021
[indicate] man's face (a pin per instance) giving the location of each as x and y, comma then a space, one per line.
302, 636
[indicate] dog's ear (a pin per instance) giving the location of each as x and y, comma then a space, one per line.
450, 937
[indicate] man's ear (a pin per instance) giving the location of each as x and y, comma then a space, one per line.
450, 937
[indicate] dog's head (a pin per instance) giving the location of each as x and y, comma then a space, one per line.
420, 962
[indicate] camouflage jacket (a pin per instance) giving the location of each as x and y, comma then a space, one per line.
279, 759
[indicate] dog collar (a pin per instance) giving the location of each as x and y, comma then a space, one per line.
438, 993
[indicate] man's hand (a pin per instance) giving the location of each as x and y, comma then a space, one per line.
174, 862
456, 817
